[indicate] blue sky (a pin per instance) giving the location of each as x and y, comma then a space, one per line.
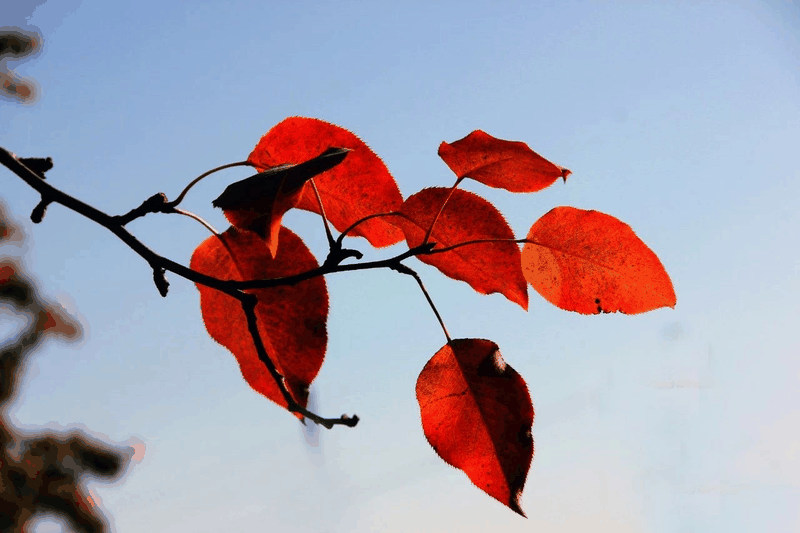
680, 119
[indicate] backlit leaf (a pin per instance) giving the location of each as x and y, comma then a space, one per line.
259, 202
487, 267
477, 414
509, 165
291, 319
360, 186
590, 262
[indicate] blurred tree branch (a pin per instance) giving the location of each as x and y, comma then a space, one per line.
45, 473
17, 44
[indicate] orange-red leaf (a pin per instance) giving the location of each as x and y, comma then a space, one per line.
509, 165
487, 267
259, 202
360, 186
291, 319
477, 414
590, 262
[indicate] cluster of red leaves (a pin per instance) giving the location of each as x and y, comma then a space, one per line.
476, 410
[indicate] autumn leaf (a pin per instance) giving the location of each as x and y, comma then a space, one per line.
477, 415
259, 202
590, 262
291, 318
487, 267
359, 187
509, 165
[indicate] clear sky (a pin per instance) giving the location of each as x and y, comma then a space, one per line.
681, 119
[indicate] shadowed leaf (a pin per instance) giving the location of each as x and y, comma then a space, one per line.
477, 414
259, 202
360, 186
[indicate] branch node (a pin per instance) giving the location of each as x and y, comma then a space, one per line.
160, 280
249, 301
424, 248
37, 215
155, 204
338, 254
350, 422
403, 269
39, 165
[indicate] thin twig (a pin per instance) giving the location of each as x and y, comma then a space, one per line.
249, 302
155, 204
108, 222
359, 221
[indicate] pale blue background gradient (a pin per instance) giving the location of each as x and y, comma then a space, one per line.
681, 119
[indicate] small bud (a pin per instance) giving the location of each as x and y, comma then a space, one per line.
161, 281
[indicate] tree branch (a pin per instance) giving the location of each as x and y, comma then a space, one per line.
160, 264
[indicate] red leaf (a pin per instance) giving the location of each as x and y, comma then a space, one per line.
291, 319
477, 414
590, 262
509, 165
358, 187
487, 267
258, 203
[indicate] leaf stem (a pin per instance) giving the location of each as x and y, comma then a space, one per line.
430, 229
179, 199
359, 221
403, 269
189, 214
331, 242
478, 241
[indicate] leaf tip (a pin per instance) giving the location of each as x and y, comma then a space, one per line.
514, 505
443, 146
565, 172
521, 295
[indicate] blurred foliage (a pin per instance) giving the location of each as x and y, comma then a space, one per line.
17, 44
42, 472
